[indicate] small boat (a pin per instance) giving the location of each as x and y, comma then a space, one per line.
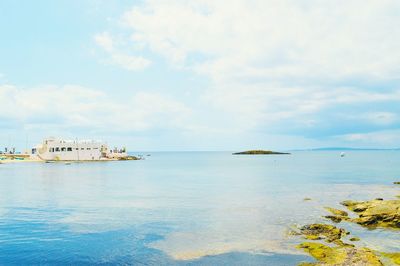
342, 154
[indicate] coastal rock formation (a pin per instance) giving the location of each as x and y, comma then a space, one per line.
338, 252
337, 215
336, 212
129, 158
339, 255
375, 213
327, 232
392, 257
259, 152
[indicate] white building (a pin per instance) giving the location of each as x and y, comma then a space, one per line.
52, 149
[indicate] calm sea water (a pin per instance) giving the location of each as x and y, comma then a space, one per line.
184, 208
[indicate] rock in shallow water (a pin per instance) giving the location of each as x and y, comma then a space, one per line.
326, 255
375, 213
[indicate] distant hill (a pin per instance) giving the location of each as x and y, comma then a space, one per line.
349, 149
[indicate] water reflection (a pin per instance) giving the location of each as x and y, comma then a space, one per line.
180, 207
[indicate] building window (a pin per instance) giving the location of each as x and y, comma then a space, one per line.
57, 149
76, 148
88, 149
82, 149
51, 150
63, 149
69, 149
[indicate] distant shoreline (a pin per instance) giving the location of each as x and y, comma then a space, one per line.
348, 149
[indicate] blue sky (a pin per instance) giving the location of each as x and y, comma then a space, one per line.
201, 75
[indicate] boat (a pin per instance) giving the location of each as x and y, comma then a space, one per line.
342, 154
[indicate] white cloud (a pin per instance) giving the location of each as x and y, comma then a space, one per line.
105, 41
129, 62
273, 39
268, 104
382, 118
78, 107
254, 51
377, 138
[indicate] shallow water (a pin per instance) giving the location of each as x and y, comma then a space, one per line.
196, 208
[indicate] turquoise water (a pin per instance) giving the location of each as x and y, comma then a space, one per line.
184, 208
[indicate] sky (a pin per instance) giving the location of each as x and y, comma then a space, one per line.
202, 74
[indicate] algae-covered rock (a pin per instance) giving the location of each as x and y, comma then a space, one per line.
336, 212
336, 252
393, 257
341, 255
327, 232
129, 158
396, 183
333, 218
307, 199
338, 215
375, 213
371, 214
323, 253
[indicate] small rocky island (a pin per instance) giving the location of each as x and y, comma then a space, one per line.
259, 152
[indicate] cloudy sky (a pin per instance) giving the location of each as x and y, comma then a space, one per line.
201, 75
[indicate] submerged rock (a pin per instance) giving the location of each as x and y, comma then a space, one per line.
336, 212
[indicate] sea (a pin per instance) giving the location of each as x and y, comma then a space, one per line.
186, 208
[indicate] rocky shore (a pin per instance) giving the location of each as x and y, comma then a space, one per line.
332, 245
17, 159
